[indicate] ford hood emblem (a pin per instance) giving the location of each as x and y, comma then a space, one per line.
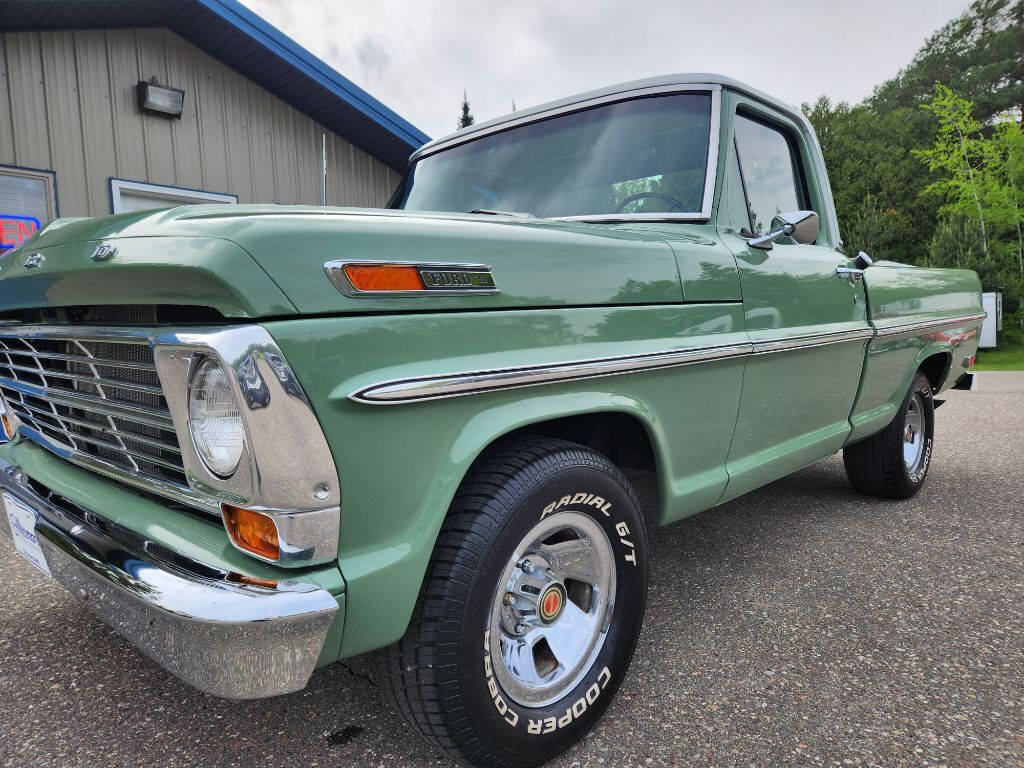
103, 252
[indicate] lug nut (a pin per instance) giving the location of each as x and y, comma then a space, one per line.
520, 629
509, 599
526, 566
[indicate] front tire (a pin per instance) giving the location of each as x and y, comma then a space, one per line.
530, 610
894, 463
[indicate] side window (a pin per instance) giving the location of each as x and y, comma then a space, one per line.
770, 172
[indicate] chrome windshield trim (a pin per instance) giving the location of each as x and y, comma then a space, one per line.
611, 218
436, 387
563, 109
711, 171
926, 324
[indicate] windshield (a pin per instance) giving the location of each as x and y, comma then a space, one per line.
647, 155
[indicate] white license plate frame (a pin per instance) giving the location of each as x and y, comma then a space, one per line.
22, 520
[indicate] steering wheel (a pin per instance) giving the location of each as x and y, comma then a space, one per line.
656, 195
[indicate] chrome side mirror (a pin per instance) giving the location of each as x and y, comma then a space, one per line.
802, 226
863, 261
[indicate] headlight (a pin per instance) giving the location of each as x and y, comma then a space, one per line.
215, 419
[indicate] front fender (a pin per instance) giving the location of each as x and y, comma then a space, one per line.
400, 465
384, 583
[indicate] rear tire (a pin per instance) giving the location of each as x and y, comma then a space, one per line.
893, 464
530, 609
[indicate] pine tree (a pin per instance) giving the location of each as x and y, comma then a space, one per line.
466, 118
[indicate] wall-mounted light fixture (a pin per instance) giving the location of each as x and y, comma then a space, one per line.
160, 100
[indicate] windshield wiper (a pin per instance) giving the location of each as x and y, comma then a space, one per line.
492, 212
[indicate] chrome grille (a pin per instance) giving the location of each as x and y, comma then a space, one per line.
92, 395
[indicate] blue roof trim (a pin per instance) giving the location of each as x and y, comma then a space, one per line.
314, 68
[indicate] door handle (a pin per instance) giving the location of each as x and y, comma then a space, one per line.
849, 273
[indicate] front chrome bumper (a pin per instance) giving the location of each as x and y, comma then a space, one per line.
215, 632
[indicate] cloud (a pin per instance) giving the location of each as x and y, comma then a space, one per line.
373, 59
417, 56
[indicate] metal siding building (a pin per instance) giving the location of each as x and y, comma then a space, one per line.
256, 109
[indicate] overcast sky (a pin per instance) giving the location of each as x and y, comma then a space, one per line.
416, 56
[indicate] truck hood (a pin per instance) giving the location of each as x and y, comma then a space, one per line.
268, 260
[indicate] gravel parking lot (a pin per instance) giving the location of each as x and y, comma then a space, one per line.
799, 625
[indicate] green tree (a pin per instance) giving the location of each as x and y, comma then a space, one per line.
892, 204
955, 243
979, 54
962, 156
867, 229
870, 154
980, 182
466, 118
1007, 196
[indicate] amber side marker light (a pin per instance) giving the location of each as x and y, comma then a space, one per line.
252, 531
384, 277
5, 420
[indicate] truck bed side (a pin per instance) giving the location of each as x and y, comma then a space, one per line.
919, 315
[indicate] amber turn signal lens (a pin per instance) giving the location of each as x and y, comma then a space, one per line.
384, 277
8, 428
252, 531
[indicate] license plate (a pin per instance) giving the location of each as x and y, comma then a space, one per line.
22, 520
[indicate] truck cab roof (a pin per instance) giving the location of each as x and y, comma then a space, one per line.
626, 89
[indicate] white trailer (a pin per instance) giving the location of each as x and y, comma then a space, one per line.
992, 326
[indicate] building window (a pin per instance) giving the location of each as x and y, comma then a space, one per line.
126, 196
28, 202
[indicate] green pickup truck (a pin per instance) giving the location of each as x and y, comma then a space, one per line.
258, 440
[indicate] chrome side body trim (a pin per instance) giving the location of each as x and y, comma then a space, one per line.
413, 390
206, 626
710, 176
808, 342
927, 324
336, 274
435, 387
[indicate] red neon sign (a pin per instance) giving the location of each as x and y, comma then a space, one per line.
15, 230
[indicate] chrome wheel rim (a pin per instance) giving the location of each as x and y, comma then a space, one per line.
913, 434
552, 608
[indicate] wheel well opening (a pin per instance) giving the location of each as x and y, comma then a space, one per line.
620, 437
935, 367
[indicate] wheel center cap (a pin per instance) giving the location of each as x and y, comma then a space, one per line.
552, 601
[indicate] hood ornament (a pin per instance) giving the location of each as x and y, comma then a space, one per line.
104, 252
34, 260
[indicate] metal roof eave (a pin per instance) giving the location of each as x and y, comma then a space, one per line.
315, 69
